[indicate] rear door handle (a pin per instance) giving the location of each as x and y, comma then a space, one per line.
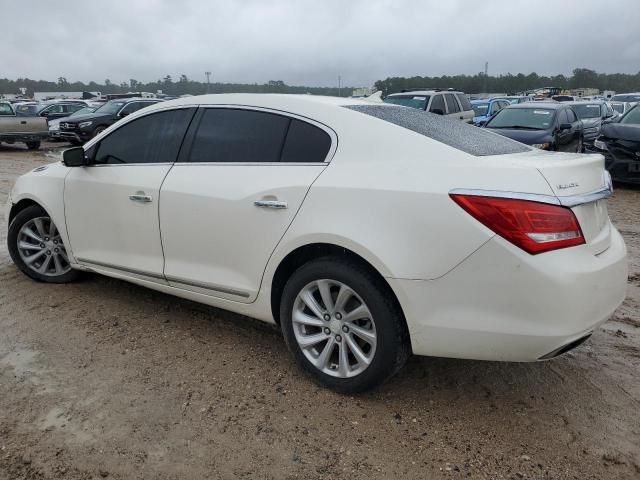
141, 197
270, 204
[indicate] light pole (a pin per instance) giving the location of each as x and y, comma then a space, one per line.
208, 74
339, 86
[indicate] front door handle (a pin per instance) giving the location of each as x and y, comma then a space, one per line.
141, 197
270, 204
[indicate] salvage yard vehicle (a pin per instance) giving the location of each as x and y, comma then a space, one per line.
441, 102
367, 231
60, 109
544, 125
592, 115
620, 145
54, 125
82, 128
14, 128
483, 110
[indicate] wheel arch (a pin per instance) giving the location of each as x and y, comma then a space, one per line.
20, 206
306, 253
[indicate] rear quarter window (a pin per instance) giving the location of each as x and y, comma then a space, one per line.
452, 132
464, 101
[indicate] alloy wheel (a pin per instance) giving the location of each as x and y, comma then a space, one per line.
41, 249
334, 328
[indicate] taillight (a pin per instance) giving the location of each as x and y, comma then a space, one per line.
532, 226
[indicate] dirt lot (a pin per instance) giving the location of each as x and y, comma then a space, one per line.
103, 379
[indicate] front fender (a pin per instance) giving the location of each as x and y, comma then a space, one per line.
45, 186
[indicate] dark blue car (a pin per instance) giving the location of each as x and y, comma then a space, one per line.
545, 125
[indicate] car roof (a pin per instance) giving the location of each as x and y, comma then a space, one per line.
547, 105
422, 92
582, 102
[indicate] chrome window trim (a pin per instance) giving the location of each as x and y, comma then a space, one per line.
567, 201
327, 129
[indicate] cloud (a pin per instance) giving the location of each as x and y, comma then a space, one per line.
311, 42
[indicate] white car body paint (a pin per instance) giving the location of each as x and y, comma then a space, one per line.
384, 195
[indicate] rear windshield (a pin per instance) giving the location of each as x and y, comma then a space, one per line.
451, 132
587, 110
413, 101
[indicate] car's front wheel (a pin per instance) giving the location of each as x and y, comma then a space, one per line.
33, 145
342, 325
36, 247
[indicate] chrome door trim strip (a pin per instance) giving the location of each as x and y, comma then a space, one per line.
208, 286
142, 273
155, 277
568, 201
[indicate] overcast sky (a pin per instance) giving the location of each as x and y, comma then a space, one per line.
311, 42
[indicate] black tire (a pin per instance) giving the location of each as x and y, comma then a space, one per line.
33, 145
580, 147
17, 223
392, 344
98, 131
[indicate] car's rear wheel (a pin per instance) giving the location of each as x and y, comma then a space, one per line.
36, 247
342, 325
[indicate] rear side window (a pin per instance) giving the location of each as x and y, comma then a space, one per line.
467, 138
438, 104
464, 101
305, 143
228, 135
154, 138
452, 103
5, 109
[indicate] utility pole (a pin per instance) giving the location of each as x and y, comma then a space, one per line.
208, 74
339, 86
486, 73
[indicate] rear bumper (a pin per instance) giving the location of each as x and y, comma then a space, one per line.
503, 304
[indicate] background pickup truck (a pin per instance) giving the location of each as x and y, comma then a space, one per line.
30, 130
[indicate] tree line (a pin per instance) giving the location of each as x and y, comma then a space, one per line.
479, 83
180, 86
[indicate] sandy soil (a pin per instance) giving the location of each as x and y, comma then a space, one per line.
103, 379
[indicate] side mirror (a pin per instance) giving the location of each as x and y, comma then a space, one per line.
437, 111
74, 157
123, 114
482, 123
565, 126
44, 114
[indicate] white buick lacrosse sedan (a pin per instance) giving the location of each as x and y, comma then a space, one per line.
366, 231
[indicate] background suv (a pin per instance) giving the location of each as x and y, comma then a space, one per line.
450, 103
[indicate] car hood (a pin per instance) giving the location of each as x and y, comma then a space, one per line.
88, 116
528, 137
617, 131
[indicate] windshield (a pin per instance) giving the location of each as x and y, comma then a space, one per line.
480, 109
632, 117
529, 118
110, 107
587, 110
83, 111
413, 101
626, 98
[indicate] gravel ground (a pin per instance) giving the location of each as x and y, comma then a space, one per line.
104, 379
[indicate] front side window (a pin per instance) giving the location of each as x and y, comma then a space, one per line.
632, 118
5, 109
571, 116
438, 104
72, 107
111, 107
452, 103
154, 138
563, 117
